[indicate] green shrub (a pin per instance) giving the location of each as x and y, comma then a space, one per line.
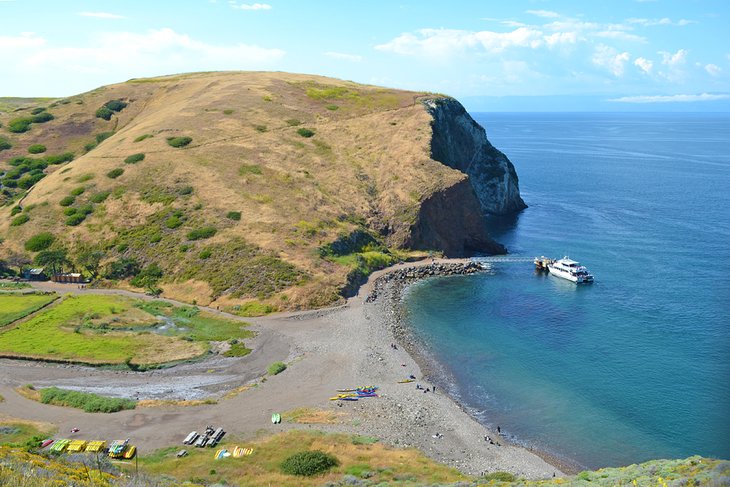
59, 158
67, 201
15, 210
102, 136
78, 191
37, 110
185, 190
90, 146
19, 125
37, 149
26, 182
148, 277
308, 463
69, 211
179, 141
75, 219
134, 158
142, 137
173, 222
500, 477
234, 215
90, 403
202, 233
105, 113
276, 368
332, 107
115, 105
4, 144
99, 197
204, 254
40, 241
19, 220
227, 111
115, 173
304, 132
42, 117
87, 209
123, 267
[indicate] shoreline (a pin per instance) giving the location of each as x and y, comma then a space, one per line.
327, 349
389, 289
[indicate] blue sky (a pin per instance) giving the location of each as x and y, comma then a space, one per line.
626, 51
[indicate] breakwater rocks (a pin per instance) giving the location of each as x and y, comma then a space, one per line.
407, 275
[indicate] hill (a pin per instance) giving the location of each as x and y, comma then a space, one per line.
251, 191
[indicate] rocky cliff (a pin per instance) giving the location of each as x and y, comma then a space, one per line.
461, 143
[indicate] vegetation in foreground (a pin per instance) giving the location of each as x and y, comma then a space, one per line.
106, 329
357, 463
90, 403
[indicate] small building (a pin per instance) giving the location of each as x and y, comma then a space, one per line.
68, 277
35, 274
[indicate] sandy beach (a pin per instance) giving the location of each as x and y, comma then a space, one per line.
346, 346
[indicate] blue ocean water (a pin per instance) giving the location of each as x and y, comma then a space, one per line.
637, 365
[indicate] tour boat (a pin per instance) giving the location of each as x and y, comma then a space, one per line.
570, 270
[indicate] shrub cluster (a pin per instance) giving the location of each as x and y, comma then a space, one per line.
19, 220
142, 137
37, 149
107, 110
276, 368
40, 241
99, 197
305, 132
308, 463
179, 141
202, 233
134, 158
115, 173
90, 403
234, 215
5, 144
102, 136
67, 200
19, 125
78, 191
123, 268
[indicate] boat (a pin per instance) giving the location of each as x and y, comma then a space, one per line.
570, 270
130, 452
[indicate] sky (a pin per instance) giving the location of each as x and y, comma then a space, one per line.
624, 53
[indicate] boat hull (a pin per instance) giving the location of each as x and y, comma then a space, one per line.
568, 276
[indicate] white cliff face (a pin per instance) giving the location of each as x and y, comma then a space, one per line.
461, 143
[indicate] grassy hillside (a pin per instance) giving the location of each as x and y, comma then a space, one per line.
218, 187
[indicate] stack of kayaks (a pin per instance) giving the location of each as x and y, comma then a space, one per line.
222, 453
60, 445
239, 452
95, 446
276, 418
355, 394
76, 446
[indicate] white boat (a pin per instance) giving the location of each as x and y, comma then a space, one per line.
570, 270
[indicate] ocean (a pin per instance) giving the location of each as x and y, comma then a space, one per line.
635, 366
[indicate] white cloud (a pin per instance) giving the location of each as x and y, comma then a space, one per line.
608, 58
561, 38
713, 69
671, 98
544, 13
102, 15
661, 21
644, 64
343, 56
620, 35
161, 51
250, 6
24, 40
675, 59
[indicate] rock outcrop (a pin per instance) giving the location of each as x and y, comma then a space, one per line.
461, 143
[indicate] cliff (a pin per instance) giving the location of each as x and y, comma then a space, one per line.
230, 188
461, 143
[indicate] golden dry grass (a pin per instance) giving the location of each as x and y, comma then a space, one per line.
368, 161
156, 403
312, 416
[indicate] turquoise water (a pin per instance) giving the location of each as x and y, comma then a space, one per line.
637, 365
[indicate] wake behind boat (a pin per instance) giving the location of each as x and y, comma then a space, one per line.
566, 268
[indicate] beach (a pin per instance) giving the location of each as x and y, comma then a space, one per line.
363, 342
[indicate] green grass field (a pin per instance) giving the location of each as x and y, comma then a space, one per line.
15, 306
17, 432
108, 329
